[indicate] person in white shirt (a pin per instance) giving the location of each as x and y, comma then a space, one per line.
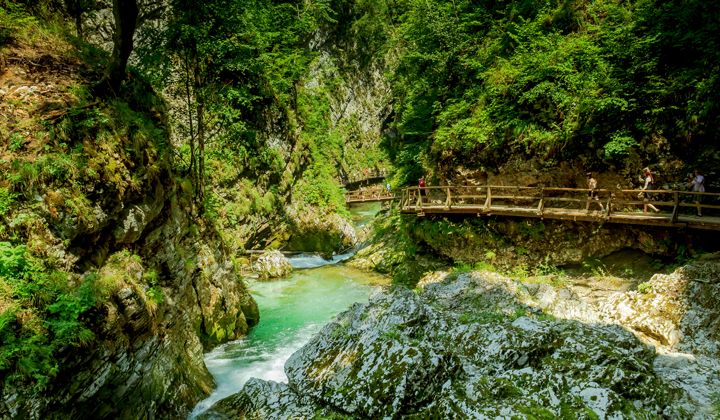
698, 185
592, 194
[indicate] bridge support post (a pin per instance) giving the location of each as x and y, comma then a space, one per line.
608, 205
488, 200
676, 207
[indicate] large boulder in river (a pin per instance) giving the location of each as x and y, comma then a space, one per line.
272, 264
467, 346
313, 230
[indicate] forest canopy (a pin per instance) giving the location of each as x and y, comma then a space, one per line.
614, 84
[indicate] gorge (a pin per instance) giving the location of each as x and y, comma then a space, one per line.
174, 173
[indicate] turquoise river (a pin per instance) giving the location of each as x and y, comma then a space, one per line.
292, 309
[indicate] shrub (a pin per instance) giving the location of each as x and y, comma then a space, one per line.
42, 316
619, 145
6, 200
644, 287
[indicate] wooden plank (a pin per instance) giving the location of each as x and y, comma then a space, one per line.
703, 206
570, 200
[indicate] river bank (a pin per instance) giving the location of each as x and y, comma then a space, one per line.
293, 309
479, 344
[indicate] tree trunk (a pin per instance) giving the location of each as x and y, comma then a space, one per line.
199, 98
189, 103
74, 8
125, 13
78, 22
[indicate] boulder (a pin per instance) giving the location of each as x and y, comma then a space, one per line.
272, 264
314, 231
470, 346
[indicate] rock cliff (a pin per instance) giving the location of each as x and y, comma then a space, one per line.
91, 194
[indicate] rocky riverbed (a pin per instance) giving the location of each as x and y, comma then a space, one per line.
482, 345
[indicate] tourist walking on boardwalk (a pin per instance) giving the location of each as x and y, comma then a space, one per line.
421, 186
649, 185
592, 194
698, 185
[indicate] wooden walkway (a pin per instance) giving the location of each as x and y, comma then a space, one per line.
367, 196
677, 208
373, 177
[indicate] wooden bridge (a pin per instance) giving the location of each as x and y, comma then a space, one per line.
369, 195
368, 178
677, 208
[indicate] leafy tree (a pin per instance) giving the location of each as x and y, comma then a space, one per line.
604, 82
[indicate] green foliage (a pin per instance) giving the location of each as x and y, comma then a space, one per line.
644, 287
715, 399
14, 21
477, 83
154, 292
462, 267
484, 316
318, 185
532, 229
6, 200
595, 266
619, 145
42, 316
17, 141
520, 272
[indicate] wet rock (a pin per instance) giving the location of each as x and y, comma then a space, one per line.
312, 231
263, 400
473, 346
272, 264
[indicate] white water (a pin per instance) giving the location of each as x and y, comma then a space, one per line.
292, 310
314, 260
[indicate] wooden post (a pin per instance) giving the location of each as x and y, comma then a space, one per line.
676, 207
488, 200
589, 198
541, 205
448, 201
609, 205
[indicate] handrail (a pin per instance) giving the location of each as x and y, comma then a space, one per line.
614, 203
364, 177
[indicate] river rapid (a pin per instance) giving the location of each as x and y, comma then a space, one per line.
292, 310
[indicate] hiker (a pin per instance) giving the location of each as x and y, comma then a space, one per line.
698, 186
421, 186
649, 185
387, 187
592, 194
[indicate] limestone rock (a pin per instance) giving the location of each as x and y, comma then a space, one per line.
471, 346
272, 264
138, 216
313, 231
262, 400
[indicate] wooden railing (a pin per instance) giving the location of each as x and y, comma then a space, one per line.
676, 208
362, 196
374, 175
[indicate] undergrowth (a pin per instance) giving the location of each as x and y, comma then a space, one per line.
40, 315
58, 164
